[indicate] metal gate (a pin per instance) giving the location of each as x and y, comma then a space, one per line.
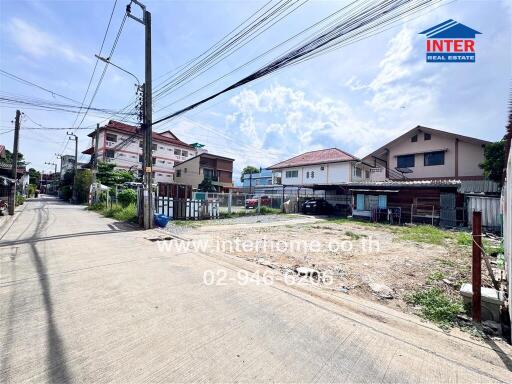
186, 209
448, 211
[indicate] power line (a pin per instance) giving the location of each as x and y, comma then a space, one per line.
390, 10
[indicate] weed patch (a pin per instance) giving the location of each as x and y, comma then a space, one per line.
353, 235
436, 306
424, 234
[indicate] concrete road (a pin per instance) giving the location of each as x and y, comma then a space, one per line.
85, 299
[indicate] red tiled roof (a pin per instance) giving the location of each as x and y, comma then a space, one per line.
331, 155
131, 129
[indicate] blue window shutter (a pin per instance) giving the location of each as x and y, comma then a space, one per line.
383, 201
360, 202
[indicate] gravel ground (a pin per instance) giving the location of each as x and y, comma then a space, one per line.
184, 227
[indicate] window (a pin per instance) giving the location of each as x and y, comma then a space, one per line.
307, 175
292, 174
367, 174
185, 170
433, 158
154, 160
414, 139
141, 144
358, 172
427, 136
111, 137
177, 152
154, 147
178, 173
322, 168
208, 173
162, 148
141, 159
110, 153
184, 153
405, 161
312, 174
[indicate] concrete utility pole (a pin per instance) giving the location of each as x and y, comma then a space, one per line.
75, 139
147, 129
12, 201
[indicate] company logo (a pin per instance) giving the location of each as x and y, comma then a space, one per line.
450, 42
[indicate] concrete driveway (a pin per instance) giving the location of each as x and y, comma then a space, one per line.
86, 299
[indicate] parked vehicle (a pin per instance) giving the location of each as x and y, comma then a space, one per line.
253, 201
317, 207
3, 207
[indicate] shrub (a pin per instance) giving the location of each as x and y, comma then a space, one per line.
20, 199
128, 213
127, 197
269, 211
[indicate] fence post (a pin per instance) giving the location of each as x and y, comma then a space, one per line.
432, 214
476, 272
259, 203
412, 209
230, 199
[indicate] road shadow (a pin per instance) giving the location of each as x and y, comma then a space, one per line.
505, 358
56, 362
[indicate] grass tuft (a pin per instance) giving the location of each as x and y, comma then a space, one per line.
436, 306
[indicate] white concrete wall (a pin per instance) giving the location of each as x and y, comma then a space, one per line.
506, 206
331, 173
470, 156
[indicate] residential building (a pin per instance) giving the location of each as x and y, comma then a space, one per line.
255, 180
426, 153
218, 169
122, 144
323, 167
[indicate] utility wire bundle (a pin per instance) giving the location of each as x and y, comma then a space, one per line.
366, 18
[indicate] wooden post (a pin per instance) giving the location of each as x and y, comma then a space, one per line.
433, 214
412, 209
476, 304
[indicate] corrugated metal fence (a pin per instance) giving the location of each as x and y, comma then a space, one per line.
490, 208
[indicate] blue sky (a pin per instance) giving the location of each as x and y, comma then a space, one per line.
355, 98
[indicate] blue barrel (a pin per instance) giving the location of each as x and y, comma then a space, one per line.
161, 220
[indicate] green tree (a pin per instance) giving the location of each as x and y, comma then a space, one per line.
248, 170
9, 158
109, 176
206, 186
83, 184
35, 176
127, 197
494, 161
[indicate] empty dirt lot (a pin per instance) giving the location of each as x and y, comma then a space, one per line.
378, 262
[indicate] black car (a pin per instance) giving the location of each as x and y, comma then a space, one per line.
316, 207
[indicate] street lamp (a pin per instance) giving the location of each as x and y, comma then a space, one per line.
107, 60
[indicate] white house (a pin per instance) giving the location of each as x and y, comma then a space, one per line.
323, 167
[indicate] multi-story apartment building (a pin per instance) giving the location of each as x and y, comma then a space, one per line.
122, 144
218, 169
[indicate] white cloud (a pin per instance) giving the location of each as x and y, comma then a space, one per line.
289, 121
40, 44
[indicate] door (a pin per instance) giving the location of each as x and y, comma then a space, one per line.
448, 212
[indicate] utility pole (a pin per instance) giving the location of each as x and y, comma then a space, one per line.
147, 129
54, 184
12, 203
74, 138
